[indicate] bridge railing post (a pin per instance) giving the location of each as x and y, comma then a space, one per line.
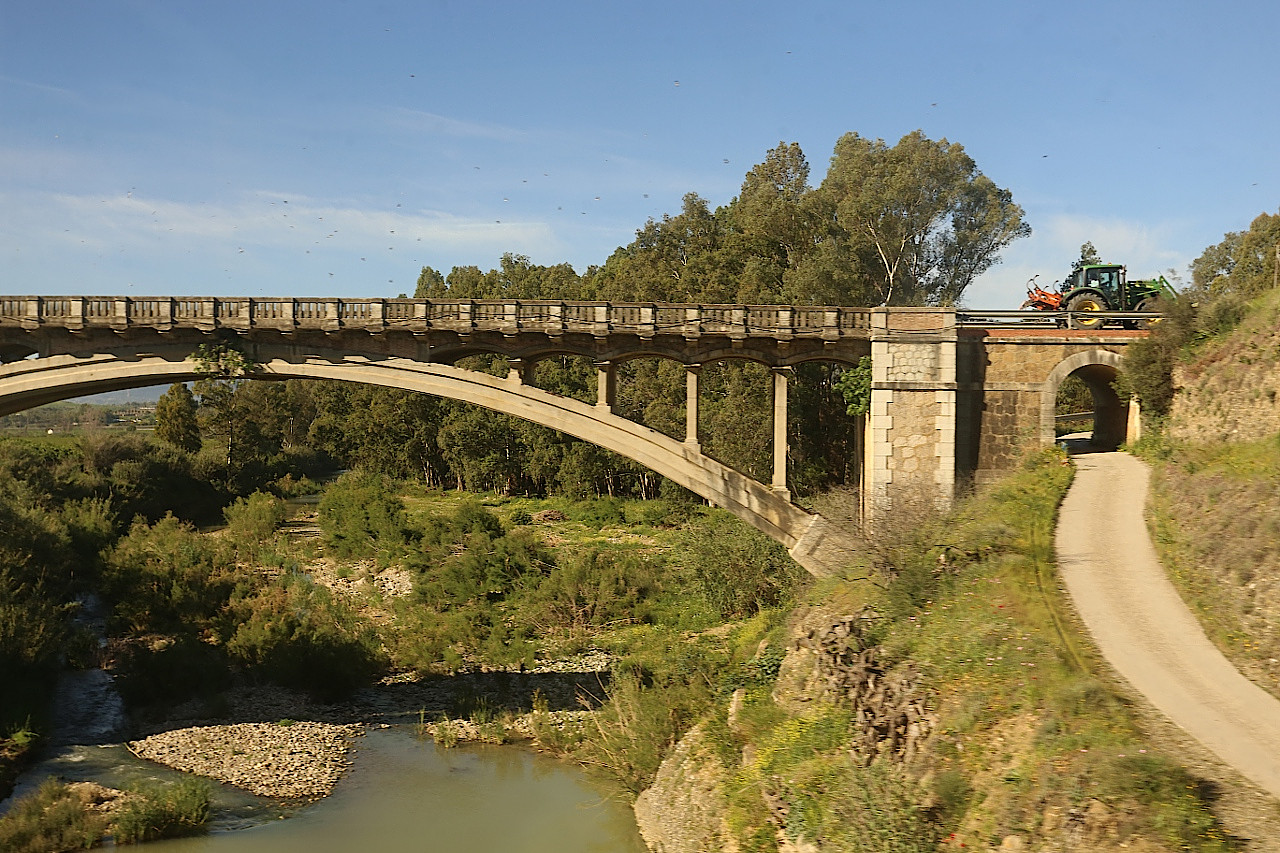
648, 328
786, 322
693, 322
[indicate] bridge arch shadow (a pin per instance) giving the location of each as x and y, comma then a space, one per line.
816, 544
1098, 369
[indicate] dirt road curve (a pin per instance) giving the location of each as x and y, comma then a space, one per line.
1143, 628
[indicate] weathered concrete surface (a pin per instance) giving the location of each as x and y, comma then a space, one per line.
1143, 628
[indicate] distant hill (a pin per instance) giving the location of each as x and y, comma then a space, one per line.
132, 395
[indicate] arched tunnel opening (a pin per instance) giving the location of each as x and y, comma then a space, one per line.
1087, 402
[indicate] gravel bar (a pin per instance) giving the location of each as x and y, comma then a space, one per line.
290, 760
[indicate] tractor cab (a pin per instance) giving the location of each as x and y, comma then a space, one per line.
1105, 279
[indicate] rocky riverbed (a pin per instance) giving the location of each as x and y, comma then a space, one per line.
289, 760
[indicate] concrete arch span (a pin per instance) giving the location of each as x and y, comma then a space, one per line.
811, 540
1098, 369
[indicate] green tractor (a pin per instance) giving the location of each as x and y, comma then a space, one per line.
1104, 287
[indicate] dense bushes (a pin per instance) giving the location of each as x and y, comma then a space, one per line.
740, 570
254, 519
167, 578
360, 517
296, 633
50, 820
152, 812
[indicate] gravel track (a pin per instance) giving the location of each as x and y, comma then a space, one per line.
1143, 628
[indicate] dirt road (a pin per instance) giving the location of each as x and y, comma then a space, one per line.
1145, 631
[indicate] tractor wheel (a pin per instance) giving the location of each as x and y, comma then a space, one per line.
1085, 302
1152, 304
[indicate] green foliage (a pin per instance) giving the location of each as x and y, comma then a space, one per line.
740, 570
33, 629
52, 819
599, 512
589, 590
1244, 263
295, 633
254, 519
1088, 256
176, 418
153, 812
854, 385
639, 724
166, 577
360, 517
171, 670
923, 217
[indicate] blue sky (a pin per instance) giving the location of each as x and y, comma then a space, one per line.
334, 148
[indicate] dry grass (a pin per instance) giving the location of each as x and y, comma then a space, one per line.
1214, 521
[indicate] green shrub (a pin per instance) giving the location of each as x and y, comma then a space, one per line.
254, 519
172, 670
360, 517
51, 819
168, 578
164, 811
739, 569
638, 726
599, 512
589, 590
295, 633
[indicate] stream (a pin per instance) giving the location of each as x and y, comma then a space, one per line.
401, 793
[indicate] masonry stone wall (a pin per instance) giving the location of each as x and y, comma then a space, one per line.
1007, 386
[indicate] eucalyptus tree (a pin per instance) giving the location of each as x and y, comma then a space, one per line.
923, 211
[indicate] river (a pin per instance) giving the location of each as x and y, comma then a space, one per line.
401, 794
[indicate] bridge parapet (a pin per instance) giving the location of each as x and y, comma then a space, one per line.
462, 316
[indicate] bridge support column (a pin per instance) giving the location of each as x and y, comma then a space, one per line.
691, 374
911, 432
606, 385
519, 370
779, 484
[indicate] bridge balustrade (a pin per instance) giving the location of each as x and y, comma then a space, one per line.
552, 317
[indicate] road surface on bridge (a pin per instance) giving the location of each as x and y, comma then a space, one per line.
1144, 629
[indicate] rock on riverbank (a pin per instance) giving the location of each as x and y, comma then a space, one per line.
290, 760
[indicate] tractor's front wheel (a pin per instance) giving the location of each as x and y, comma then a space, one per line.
1152, 304
1085, 302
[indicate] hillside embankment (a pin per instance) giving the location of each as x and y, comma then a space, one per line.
1229, 391
941, 696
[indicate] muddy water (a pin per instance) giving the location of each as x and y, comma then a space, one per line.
403, 794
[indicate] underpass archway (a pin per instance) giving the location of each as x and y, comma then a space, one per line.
1098, 370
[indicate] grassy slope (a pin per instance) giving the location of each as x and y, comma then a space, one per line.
1214, 515
1027, 741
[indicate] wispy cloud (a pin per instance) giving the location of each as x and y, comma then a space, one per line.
38, 87
270, 240
418, 121
267, 219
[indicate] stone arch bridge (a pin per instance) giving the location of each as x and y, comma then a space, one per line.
956, 398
